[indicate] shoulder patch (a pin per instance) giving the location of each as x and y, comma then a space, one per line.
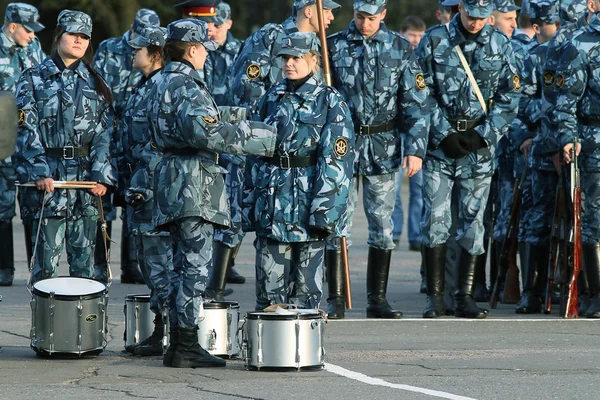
420, 82
559, 81
22, 117
210, 120
548, 78
253, 71
516, 82
340, 147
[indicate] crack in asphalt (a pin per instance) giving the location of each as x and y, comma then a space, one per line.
237, 396
16, 334
126, 392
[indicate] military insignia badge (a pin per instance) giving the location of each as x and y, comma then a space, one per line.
548, 78
560, 81
516, 82
22, 117
253, 71
420, 81
210, 120
340, 147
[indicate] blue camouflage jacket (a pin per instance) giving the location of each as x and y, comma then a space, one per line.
59, 109
217, 70
286, 204
257, 66
186, 126
493, 64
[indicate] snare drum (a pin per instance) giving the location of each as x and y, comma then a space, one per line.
217, 328
139, 319
272, 340
68, 315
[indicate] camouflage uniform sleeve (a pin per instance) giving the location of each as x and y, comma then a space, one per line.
104, 149
505, 102
440, 127
38, 53
529, 102
334, 168
248, 195
415, 117
100, 59
570, 82
140, 182
29, 159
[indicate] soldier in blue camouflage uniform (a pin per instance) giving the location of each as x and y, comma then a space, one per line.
462, 142
577, 116
537, 201
113, 60
154, 250
189, 188
379, 76
65, 127
19, 49
298, 197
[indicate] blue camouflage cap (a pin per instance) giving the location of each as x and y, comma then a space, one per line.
327, 4
479, 8
545, 10
24, 14
145, 18
298, 44
572, 10
191, 30
75, 22
449, 3
505, 6
152, 35
525, 7
370, 6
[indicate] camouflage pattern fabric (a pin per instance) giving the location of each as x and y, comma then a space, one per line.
84, 120
23, 14
590, 224
381, 81
257, 67
234, 186
75, 22
542, 208
217, 70
79, 237
503, 196
288, 205
571, 11
289, 273
184, 117
526, 197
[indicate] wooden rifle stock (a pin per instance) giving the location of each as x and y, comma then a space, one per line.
572, 300
558, 221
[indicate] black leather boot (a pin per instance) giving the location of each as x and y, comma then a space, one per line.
434, 259
173, 342
466, 307
378, 270
232, 275
335, 283
189, 353
7, 257
534, 266
423, 285
591, 261
480, 288
100, 267
152, 346
218, 274
130, 270
28, 229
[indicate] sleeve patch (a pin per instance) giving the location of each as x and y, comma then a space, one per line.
253, 71
559, 81
22, 117
340, 147
420, 82
516, 82
210, 120
548, 78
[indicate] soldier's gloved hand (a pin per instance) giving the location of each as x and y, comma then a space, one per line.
475, 140
455, 146
319, 233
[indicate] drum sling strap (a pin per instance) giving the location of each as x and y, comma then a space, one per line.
465, 65
37, 237
105, 238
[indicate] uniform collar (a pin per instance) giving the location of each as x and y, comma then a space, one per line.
308, 91
520, 36
178, 67
380, 36
49, 68
456, 36
6, 41
289, 25
594, 23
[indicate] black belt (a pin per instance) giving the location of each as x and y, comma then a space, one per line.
67, 152
191, 152
287, 162
463, 125
371, 129
589, 122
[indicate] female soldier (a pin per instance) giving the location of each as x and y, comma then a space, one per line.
300, 194
154, 251
65, 124
189, 189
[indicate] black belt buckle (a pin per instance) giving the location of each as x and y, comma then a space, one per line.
364, 130
284, 162
462, 125
67, 150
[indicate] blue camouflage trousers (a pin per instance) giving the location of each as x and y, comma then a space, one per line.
192, 254
7, 193
289, 273
526, 198
155, 258
79, 236
543, 188
472, 199
234, 185
504, 194
590, 221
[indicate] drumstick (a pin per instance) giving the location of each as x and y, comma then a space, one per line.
347, 288
66, 184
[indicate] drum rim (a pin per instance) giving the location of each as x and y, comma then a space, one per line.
220, 305
258, 315
87, 296
142, 298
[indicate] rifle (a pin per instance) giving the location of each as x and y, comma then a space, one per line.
572, 301
508, 274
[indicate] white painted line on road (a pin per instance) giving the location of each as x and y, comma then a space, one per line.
468, 320
357, 376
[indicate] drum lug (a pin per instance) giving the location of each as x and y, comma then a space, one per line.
259, 355
79, 328
33, 305
229, 344
212, 340
51, 335
136, 335
103, 305
298, 343
322, 346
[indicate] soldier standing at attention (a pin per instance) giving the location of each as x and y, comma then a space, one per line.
113, 61
19, 49
379, 77
300, 194
189, 187
64, 134
467, 123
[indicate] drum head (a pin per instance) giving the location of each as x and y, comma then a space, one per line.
297, 314
68, 287
219, 305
